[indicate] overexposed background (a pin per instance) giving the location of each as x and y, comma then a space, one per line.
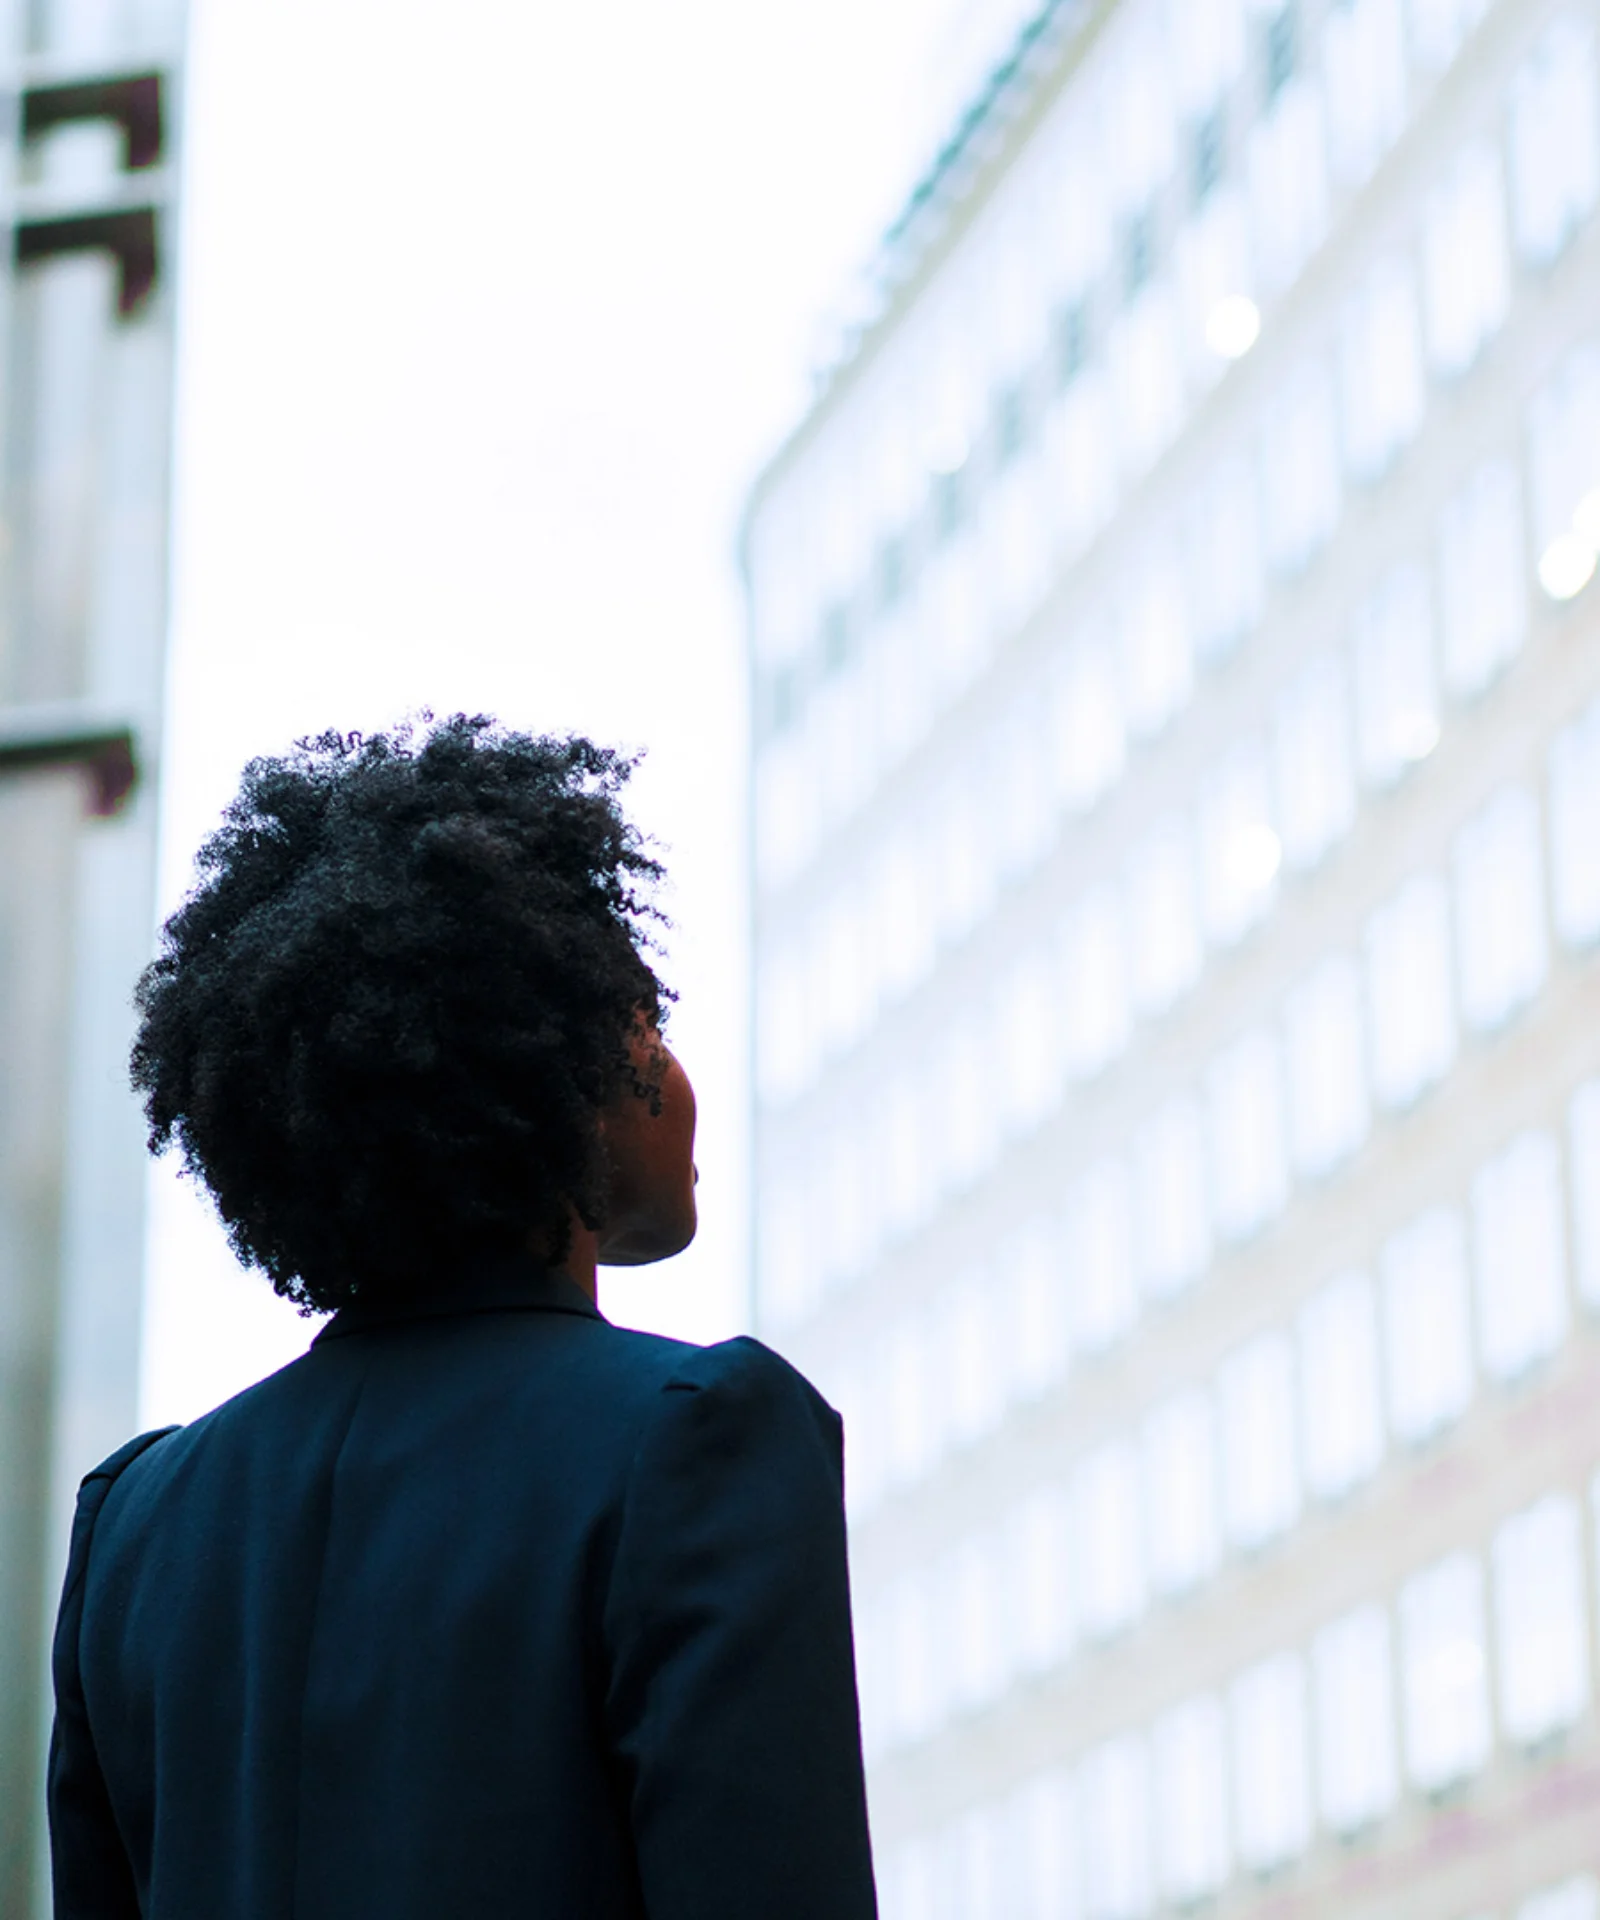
489, 315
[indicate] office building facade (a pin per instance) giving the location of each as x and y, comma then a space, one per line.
86, 322
1177, 881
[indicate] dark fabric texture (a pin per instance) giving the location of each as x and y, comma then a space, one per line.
484, 1611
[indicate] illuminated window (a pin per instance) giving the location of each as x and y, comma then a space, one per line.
790, 1279
1271, 1766
1083, 479
902, 888
1327, 1067
966, 1136
1466, 267
1087, 726
1300, 459
1519, 1256
1541, 1625
971, 1363
1097, 1232
1364, 75
1555, 139
1157, 666
1575, 828
912, 1413
1483, 585
1038, 1314
1250, 1182
1208, 52
978, 1646
1353, 1690
1044, 1848
1444, 1686
843, 976
1164, 948
1410, 991
1427, 1325
1146, 376
1584, 1142
1222, 559
1038, 1550
963, 864
1342, 1403
975, 1862
1027, 1003
1025, 785
1172, 1214
1180, 1479
1216, 276
1189, 1751
1114, 1795
1255, 1398
915, 1658
1500, 936
908, 1152
1564, 457
1240, 852
1574, 1899
1313, 779
1106, 1528
1094, 993
1288, 183
1397, 698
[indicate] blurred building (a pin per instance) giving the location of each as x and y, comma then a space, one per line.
86, 188
1177, 798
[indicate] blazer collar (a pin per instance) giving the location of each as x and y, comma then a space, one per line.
512, 1283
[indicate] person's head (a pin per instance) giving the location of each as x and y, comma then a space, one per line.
406, 1017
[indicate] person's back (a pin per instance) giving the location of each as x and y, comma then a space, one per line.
483, 1607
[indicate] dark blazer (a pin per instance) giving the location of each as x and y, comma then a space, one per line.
483, 1609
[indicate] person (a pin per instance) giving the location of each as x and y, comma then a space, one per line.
482, 1607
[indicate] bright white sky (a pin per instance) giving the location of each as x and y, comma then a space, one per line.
489, 313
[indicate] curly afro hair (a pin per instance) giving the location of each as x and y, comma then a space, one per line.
382, 1026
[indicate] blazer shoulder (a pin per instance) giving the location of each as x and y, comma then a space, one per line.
747, 1378
112, 1466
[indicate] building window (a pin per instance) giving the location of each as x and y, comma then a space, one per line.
1240, 852
1157, 661
1564, 459
1087, 730
1071, 336
1500, 925
1278, 53
1138, 252
1180, 1478
1208, 155
911, 1425
1172, 1219
910, 1640
1250, 1182
975, 1865
1466, 267
978, 1644
1255, 1397
1410, 991
1027, 1014
1575, 828
1106, 1523
1114, 1791
1271, 1766
1313, 778
1541, 1623
1364, 77
1288, 184
1397, 698
1165, 955
1427, 1325
1483, 586
1382, 365
1097, 1233
1222, 560
1357, 1771
1039, 1554
1146, 375
1584, 1143
1519, 1256
1191, 1801
1341, 1395
971, 1362
1044, 1843
1301, 470
1555, 138
1041, 1338
1327, 1068
1094, 997
1444, 1684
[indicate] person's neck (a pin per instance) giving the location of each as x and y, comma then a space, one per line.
582, 1259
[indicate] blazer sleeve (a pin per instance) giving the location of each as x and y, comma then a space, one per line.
732, 1693
89, 1865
